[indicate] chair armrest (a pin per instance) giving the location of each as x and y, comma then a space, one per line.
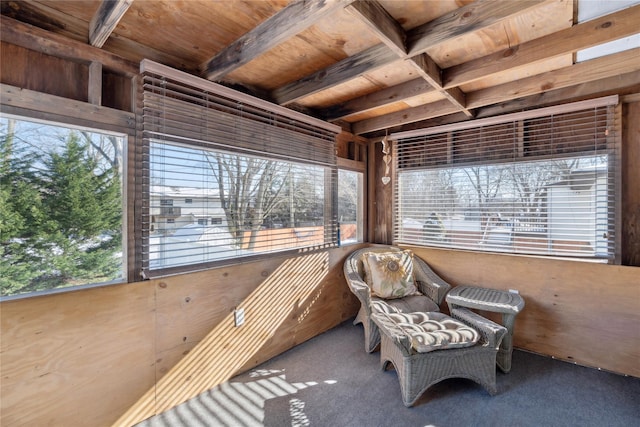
359, 288
389, 328
429, 283
491, 332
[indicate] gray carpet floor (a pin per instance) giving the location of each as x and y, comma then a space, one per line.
331, 381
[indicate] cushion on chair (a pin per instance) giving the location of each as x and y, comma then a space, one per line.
390, 274
434, 331
409, 304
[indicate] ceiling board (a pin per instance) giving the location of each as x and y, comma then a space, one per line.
411, 14
341, 31
82, 9
524, 27
188, 29
341, 68
284, 63
520, 73
42, 15
391, 75
387, 109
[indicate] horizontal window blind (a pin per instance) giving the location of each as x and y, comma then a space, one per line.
532, 183
228, 176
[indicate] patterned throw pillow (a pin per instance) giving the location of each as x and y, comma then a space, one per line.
434, 331
390, 274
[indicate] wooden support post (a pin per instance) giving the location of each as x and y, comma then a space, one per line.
94, 88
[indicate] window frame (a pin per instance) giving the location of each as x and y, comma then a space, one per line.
183, 109
361, 216
328, 182
612, 152
105, 127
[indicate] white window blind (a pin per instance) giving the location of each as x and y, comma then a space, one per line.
259, 178
539, 182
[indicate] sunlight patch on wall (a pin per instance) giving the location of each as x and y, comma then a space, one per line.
227, 348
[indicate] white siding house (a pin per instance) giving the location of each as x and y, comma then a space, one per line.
175, 207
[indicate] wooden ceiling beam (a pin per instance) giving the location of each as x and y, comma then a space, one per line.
436, 121
627, 83
381, 23
354, 66
293, 19
430, 71
617, 84
105, 20
472, 17
39, 40
379, 99
391, 33
476, 17
583, 72
582, 36
422, 112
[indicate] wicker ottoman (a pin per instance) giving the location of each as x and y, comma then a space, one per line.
415, 348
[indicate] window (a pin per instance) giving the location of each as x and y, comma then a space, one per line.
61, 206
267, 205
534, 183
265, 175
350, 206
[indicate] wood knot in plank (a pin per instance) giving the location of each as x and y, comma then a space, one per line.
509, 52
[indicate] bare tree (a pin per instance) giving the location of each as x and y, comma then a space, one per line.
250, 189
486, 182
106, 146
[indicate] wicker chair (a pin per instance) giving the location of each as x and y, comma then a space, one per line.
432, 286
419, 371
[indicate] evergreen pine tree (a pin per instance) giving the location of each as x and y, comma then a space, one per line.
60, 218
84, 211
20, 215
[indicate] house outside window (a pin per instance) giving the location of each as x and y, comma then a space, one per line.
260, 205
61, 207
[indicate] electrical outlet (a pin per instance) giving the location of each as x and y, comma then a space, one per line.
238, 316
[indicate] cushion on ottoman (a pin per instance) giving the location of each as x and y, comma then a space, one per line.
434, 331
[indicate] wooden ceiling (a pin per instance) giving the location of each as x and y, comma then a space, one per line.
371, 66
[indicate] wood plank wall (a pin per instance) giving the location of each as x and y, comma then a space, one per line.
580, 312
61, 77
124, 352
